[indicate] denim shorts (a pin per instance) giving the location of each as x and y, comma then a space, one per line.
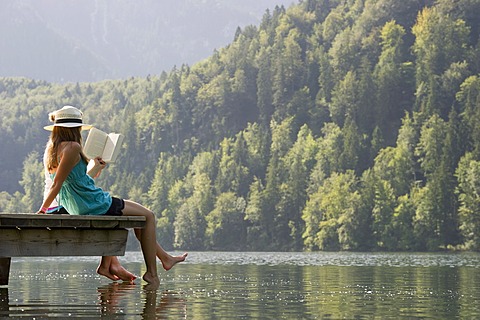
116, 207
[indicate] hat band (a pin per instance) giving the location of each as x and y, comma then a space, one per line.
68, 120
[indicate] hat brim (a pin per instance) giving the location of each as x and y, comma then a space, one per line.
68, 125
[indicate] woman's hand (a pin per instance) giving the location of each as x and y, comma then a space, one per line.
99, 162
42, 210
98, 166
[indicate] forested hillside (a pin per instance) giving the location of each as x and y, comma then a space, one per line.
333, 125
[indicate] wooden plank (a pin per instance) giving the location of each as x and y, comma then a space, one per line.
62, 242
25, 220
76, 223
132, 223
105, 224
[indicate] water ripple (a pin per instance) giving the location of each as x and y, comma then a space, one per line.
337, 259
406, 259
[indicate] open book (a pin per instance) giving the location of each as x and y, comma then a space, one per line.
101, 144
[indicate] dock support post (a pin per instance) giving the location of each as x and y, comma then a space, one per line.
4, 270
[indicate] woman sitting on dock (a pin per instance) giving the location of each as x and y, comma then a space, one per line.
109, 266
77, 193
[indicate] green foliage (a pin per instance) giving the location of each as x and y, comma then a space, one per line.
32, 181
257, 217
430, 145
383, 210
469, 98
225, 223
335, 207
333, 125
468, 174
393, 80
440, 41
344, 99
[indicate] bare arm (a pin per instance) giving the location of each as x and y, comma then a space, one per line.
99, 165
69, 157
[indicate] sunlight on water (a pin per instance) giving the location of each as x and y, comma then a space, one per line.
252, 285
340, 259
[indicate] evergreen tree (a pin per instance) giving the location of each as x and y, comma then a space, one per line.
264, 85
258, 218
468, 175
394, 92
344, 99
430, 215
32, 183
225, 223
438, 39
469, 98
337, 210
298, 162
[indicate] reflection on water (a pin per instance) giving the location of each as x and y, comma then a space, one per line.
114, 298
252, 285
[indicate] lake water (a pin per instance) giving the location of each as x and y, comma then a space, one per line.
219, 285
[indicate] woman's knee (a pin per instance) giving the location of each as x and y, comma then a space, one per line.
149, 214
146, 212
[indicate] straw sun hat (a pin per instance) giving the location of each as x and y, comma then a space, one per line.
69, 117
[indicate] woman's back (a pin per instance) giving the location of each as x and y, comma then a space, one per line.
80, 196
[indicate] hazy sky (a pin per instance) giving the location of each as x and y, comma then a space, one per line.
87, 40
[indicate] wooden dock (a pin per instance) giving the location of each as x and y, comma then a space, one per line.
34, 235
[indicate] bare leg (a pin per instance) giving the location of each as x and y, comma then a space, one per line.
104, 268
148, 239
168, 261
118, 270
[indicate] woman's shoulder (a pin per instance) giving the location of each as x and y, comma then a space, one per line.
70, 146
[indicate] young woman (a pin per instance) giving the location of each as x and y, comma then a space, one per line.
109, 266
75, 190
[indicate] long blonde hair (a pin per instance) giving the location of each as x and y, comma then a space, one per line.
59, 135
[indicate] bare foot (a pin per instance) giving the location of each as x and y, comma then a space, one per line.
151, 279
106, 273
173, 260
122, 273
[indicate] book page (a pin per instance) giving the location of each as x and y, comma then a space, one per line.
95, 143
112, 147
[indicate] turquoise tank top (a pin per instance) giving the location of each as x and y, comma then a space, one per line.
79, 195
